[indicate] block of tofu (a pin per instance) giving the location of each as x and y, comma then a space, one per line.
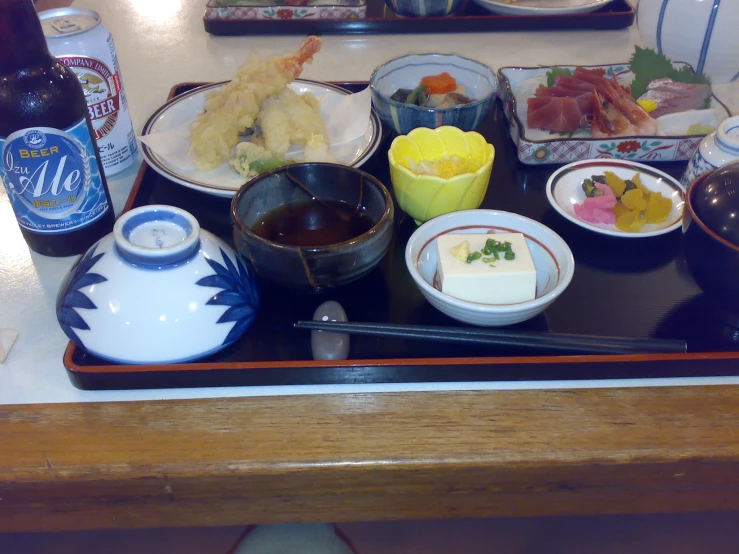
484, 279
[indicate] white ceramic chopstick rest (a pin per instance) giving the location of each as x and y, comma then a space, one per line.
326, 345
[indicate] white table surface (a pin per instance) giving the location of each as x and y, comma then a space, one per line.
162, 42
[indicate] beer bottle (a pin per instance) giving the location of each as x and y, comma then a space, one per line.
50, 163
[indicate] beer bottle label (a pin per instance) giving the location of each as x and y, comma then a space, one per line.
53, 178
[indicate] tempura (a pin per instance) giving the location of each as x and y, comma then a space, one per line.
235, 107
289, 118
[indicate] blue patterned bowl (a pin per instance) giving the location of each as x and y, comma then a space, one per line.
158, 289
424, 8
478, 79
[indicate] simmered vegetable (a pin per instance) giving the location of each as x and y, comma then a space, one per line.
439, 84
434, 91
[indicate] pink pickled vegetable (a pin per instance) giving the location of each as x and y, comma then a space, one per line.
598, 209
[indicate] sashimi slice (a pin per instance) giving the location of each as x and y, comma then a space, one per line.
673, 97
585, 99
561, 115
573, 83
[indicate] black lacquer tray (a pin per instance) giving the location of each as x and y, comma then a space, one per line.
621, 287
618, 14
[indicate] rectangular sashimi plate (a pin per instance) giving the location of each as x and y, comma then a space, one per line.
537, 146
281, 10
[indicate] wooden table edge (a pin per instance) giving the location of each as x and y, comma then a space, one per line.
368, 456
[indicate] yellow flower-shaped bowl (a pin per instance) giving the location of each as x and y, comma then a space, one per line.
462, 160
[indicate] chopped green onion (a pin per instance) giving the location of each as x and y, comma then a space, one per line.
473, 256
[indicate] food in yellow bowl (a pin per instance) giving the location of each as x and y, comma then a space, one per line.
442, 170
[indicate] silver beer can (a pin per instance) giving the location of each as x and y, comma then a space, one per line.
78, 38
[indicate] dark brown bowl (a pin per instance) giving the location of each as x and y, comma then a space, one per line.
711, 234
312, 268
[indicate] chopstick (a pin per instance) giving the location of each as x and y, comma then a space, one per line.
529, 339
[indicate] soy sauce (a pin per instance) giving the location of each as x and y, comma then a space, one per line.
314, 223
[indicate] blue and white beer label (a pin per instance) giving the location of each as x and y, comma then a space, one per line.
53, 178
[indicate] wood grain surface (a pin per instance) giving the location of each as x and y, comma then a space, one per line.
360, 457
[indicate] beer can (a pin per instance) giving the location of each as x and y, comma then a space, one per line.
78, 38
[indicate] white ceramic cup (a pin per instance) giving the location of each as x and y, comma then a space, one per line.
717, 149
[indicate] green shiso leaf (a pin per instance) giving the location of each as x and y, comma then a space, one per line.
648, 65
552, 74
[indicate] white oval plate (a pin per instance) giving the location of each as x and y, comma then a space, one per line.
564, 190
542, 7
222, 180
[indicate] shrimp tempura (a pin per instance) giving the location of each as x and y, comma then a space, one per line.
233, 108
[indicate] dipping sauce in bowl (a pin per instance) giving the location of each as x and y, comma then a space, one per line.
314, 223
312, 226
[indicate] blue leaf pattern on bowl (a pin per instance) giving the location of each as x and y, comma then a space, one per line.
71, 298
238, 292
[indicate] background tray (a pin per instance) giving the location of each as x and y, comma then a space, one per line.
617, 290
618, 14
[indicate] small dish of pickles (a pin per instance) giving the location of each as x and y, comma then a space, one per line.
617, 197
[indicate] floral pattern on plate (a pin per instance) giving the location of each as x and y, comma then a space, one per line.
290, 10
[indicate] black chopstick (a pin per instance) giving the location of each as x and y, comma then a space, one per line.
528, 339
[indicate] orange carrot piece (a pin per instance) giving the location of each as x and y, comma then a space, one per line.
439, 84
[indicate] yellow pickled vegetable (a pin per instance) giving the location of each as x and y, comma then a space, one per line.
658, 208
630, 222
634, 200
636, 179
617, 184
637, 206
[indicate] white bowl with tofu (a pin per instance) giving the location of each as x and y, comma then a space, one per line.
489, 267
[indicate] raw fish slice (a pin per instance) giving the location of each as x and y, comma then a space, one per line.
573, 83
561, 115
585, 99
673, 97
